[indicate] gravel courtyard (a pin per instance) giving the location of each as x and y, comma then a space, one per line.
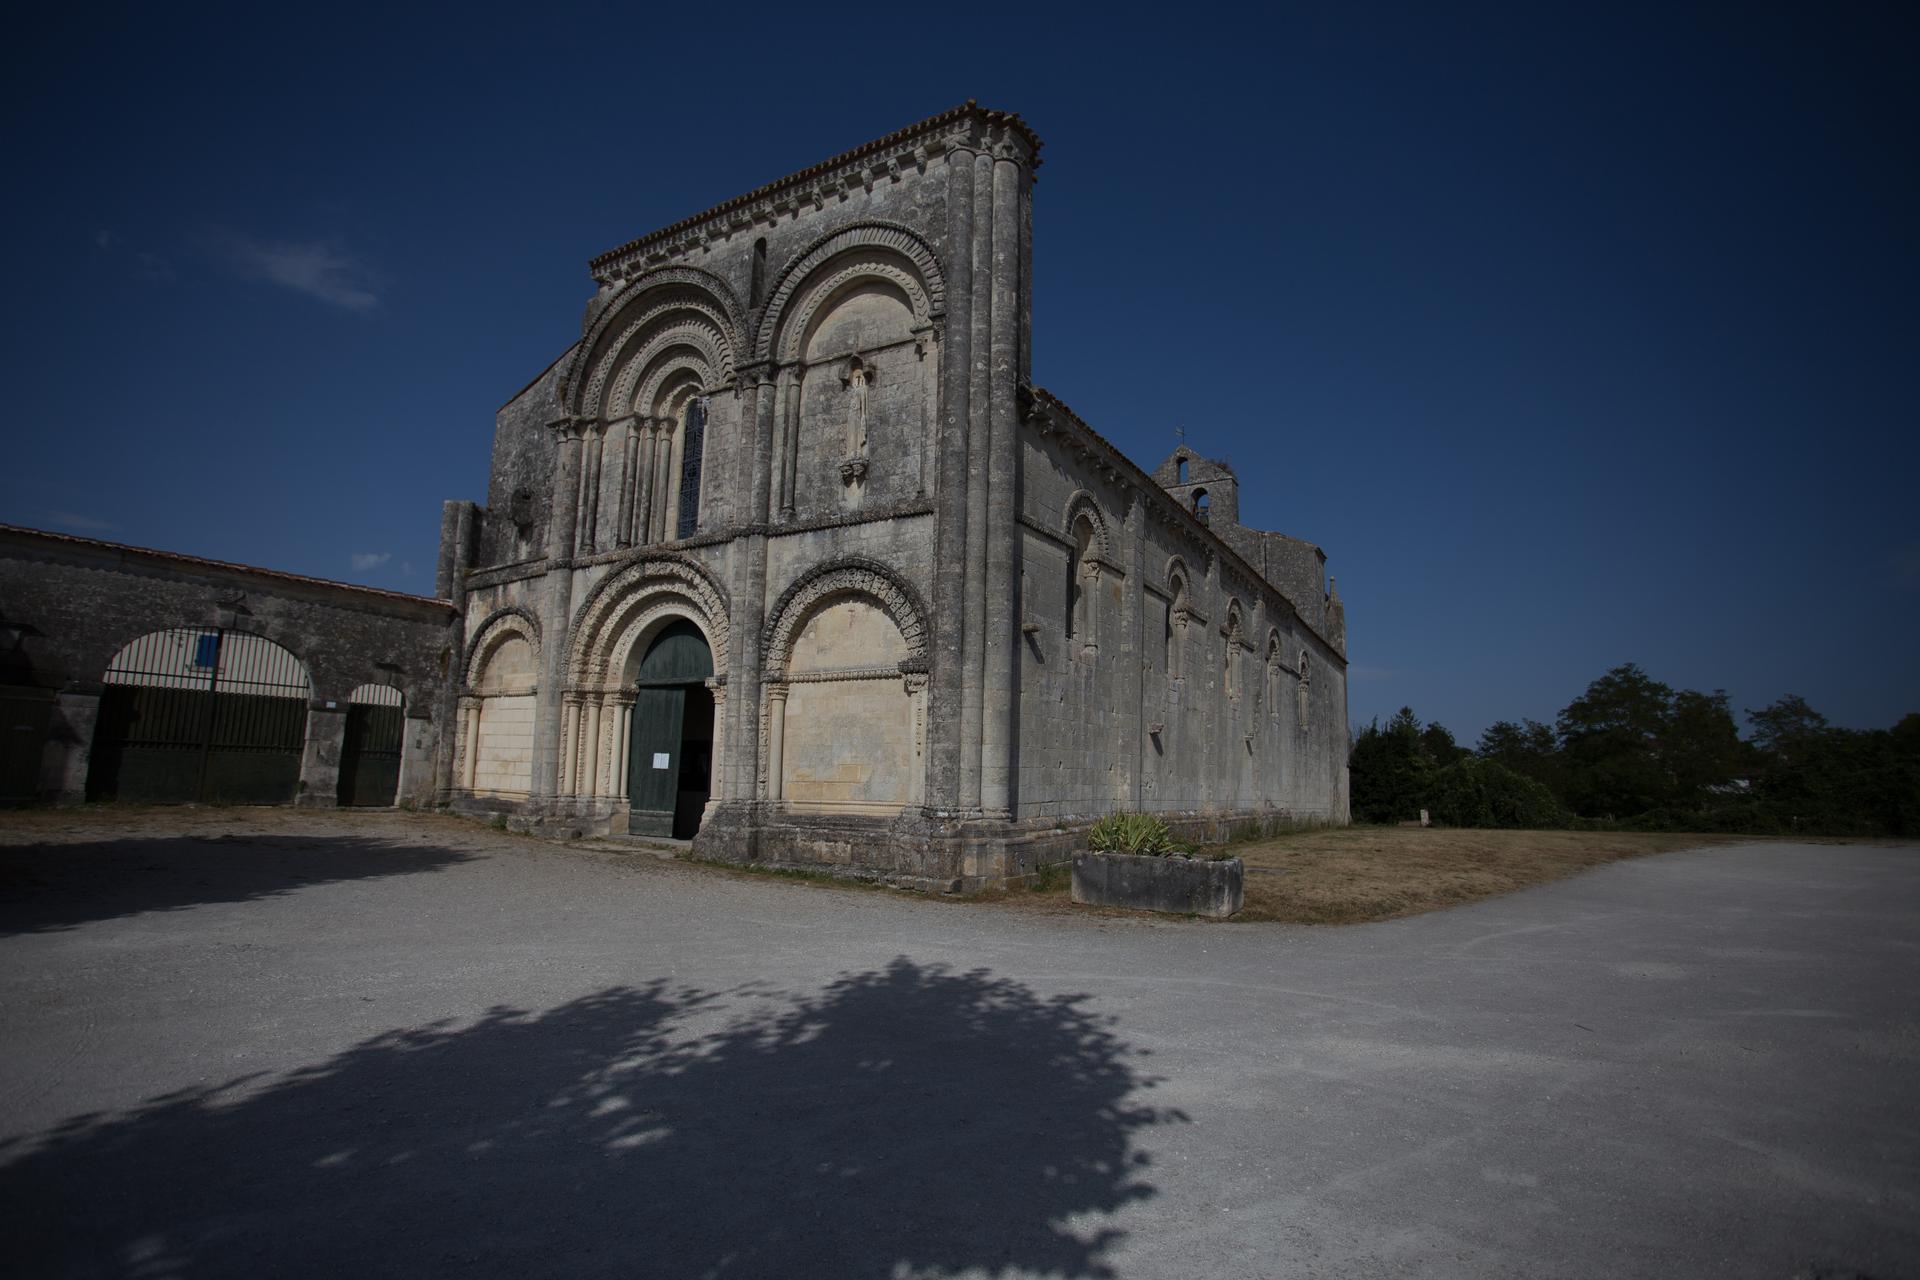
249, 1043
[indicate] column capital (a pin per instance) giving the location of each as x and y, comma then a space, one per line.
569, 427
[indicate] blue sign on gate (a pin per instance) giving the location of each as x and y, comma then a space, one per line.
207, 652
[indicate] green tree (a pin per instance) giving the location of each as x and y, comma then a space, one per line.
1529, 748
1610, 739
1388, 769
1700, 748
1477, 792
1437, 741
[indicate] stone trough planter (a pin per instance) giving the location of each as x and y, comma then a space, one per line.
1185, 886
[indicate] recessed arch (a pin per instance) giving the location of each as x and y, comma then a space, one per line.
874, 249
630, 605
848, 575
494, 629
697, 303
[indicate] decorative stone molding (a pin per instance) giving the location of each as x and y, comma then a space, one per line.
887, 245
850, 575
624, 604
690, 345
698, 295
494, 629
1084, 503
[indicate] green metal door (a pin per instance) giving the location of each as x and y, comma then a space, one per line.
653, 765
664, 768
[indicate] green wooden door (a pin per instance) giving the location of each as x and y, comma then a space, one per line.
653, 761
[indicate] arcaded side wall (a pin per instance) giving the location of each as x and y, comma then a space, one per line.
1153, 675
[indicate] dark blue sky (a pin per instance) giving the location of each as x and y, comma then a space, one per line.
1575, 338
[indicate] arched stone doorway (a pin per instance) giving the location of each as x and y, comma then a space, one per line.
670, 743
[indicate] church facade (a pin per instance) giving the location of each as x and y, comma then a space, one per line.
788, 555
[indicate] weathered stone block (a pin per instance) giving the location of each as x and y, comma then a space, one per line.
1184, 886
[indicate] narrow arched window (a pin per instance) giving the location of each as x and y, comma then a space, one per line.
1200, 504
692, 445
1183, 471
1079, 598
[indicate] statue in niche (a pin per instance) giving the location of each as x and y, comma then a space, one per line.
857, 379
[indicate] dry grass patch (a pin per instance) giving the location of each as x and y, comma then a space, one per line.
1347, 875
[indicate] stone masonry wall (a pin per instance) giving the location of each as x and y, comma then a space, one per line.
80, 601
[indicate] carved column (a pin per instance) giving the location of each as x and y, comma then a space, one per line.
973, 686
916, 685
569, 745
622, 742
1000, 675
926, 345
643, 482
951, 568
623, 534
663, 478
470, 734
776, 739
676, 468
720, 739
592, 787
790, 455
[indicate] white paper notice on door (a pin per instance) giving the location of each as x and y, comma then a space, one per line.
660, 759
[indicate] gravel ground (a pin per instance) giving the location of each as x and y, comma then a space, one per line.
261, 1042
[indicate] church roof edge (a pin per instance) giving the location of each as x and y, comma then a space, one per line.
970, 107
1147, 484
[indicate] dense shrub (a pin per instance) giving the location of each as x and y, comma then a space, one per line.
1484, 793
1130, 833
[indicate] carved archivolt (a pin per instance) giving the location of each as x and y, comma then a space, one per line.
494, 630
885, 250
619, 610
690, 338
1084, 503
1179, 583
852, 575
824, 290
647, 402
686, 295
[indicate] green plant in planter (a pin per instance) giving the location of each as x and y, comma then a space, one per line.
1131, 833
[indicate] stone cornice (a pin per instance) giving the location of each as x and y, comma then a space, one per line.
968, 126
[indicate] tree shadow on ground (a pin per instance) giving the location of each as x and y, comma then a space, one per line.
905, 1122
62, 885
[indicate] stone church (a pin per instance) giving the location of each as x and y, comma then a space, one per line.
788, 555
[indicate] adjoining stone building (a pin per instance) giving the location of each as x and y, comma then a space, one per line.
133, 674
787, 551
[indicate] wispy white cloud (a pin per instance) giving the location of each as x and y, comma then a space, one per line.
365, 560
320, 269
78, 522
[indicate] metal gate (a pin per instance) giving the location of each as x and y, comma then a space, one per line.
370, 751
196, 714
